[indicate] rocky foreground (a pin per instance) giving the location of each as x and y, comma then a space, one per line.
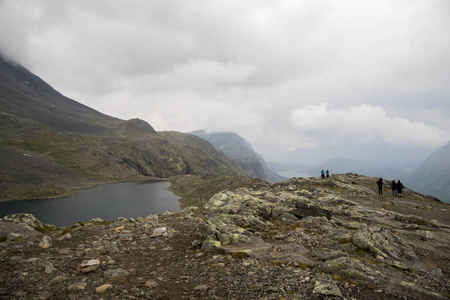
298, 239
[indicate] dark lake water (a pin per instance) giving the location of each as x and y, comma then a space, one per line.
108, 202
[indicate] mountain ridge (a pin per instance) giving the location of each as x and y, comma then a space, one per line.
75, 146
432, 177
238, 148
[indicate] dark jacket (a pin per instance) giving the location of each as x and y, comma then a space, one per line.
380, 183
399, 187
394, 185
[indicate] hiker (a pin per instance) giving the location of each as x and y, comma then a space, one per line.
328, 174
322, 173
380, 186
394, 188
400, 188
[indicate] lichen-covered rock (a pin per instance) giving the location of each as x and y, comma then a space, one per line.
25, 218
382, 241
350, 268
236, 217
326, 286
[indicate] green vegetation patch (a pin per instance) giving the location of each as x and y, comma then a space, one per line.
240, 254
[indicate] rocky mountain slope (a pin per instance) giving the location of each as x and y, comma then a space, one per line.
432, 177
298, 239
50, 144
238, 148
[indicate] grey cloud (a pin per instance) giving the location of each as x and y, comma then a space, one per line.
241, 66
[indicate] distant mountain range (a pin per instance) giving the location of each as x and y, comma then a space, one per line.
432, 177
350, 165
50, 144
398, 157
238, 148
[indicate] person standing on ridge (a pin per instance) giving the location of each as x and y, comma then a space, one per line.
323, 174
394, 188
400, 188
380, 186
328, 174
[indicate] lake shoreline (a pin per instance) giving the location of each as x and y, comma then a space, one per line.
73, 191
129, 199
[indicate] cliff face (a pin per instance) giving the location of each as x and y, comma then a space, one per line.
302, 238
239, 149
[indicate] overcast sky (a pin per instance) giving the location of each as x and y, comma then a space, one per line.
284, 74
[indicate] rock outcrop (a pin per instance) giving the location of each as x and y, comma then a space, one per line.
298, 239
339, 226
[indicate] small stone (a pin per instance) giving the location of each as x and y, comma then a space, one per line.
151, 284
126, 237
201, 287
116, 273
161, 231
67, 236
89, 265
119, 229
46, 242
78, 286
64, 251
326, 286
59, 279
49, 268
305, 280
103, 288
428, 236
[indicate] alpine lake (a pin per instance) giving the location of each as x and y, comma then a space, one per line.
107, 202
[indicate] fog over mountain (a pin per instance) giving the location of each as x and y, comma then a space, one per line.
380, 155
301, 81
432, 177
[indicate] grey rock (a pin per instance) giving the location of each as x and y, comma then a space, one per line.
49, 268
326, 286
78, 286
151, 283
116, 273
89, 265
46, 242
350, 268
436, 275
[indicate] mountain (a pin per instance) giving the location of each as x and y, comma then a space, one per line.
349, 165
50, 144
238, 148
432, 177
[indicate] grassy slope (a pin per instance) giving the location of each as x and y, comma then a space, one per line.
74, 145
